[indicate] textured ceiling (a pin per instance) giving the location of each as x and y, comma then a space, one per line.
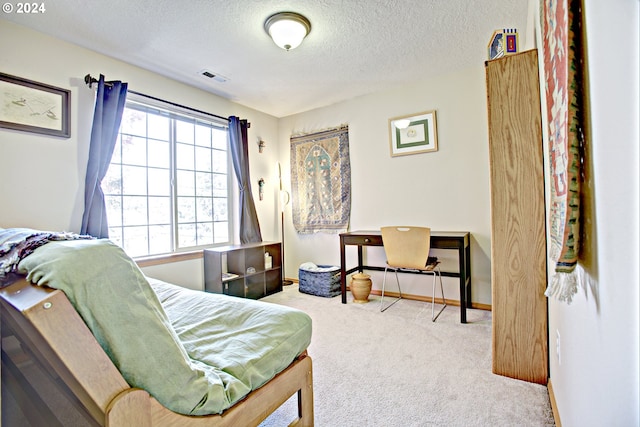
355, 47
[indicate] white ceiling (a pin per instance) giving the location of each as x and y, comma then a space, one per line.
355, 47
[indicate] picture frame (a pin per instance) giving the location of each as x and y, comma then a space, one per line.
29, 106
413, 134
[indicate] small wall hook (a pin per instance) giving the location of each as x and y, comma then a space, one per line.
261, 188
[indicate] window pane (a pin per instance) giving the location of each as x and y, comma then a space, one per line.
134, 180
205, 233
220, 185
159, 182
204, 209
185, 181
221, 232
116, 157
112, 181
184, 156
220, 161
134, 210
115, 235
204, 186
187, 235
186, 209
203, 159
113, 206
159, 154
184, 131
136, 241
159, 239
134, 122
203, 135
160, 210
220, 209
134, 151
219, 139
158, 127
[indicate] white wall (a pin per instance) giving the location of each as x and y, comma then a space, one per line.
446, 190
595, 380
42, 177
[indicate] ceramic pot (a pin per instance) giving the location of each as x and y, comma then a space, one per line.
360, 287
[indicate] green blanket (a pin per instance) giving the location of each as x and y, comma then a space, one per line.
185, 367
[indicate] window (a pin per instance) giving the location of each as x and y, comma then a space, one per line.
167, 188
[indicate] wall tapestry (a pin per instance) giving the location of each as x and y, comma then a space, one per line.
564, 86
321, 181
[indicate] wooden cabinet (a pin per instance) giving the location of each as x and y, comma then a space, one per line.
518, 236
243, 270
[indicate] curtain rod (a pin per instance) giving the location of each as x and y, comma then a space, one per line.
91, 80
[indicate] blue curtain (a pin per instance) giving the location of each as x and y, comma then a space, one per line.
110, 100
249, 226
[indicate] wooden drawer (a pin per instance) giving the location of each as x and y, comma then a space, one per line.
367, 240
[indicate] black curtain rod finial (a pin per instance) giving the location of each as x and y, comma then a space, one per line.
89, 81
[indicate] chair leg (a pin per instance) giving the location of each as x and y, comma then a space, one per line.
384, 280
433, 295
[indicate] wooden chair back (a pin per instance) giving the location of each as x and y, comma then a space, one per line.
406, 247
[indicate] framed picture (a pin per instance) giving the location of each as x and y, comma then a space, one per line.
413, 134
30, 106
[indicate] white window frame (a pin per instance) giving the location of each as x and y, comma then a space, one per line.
120, 228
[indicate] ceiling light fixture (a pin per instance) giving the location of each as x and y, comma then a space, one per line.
287, 29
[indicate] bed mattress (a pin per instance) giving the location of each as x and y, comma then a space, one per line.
250, 340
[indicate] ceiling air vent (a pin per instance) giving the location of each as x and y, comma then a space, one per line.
213, 76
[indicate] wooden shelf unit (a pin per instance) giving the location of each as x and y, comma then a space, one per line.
518, 236
251, 278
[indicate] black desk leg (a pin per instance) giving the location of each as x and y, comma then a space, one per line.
467, 269
462, 264
343, 273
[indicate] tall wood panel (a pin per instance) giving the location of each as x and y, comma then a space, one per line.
518, 238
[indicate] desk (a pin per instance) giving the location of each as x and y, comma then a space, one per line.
458, 240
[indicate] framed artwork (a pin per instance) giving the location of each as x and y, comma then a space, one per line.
30, 106
413, 134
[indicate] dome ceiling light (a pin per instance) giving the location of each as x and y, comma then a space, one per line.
287, 29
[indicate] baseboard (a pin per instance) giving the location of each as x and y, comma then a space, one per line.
476, 305
425, 298
554, 405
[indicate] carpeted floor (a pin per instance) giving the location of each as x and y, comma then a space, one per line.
397, 368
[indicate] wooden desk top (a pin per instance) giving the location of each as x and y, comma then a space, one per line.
459, 234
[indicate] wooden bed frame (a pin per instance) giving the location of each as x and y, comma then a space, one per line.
51, 331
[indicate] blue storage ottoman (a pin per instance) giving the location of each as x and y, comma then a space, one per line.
319, 280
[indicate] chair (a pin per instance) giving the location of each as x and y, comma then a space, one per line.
407, 250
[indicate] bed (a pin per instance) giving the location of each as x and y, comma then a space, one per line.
130, 350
